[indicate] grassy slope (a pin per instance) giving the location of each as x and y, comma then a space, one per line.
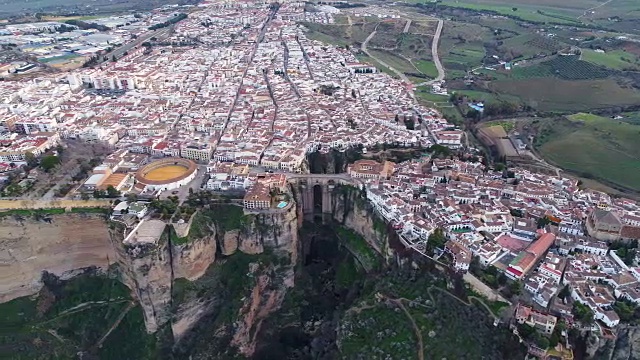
613, 149
27, 324
448, 327
525, 10
617, 60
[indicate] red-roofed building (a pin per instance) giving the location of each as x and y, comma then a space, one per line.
526, 260
540, 246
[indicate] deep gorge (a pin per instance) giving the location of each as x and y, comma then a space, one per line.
261, 286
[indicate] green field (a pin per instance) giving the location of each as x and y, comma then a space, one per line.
594, 146
427, 67
616, 60
631, 117
529, 45
440, 103
565, 67
82, 8
558, 95
461, 47
542, 11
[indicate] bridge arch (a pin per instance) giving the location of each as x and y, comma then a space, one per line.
317, 198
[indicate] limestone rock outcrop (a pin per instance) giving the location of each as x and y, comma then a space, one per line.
191, 260
148, 271
357, 214
59, 244
229, 243
266, 297
625, 346
277, 230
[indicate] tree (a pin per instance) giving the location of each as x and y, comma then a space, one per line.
474, 114
542, 342
582, 313
542, 222
437, 239
49, 162
131, 197
515, 288
409, 123
624, 310
112, 192
502, 279
59, 149
31, 159
564, 292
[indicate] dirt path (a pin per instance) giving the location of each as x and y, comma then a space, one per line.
416, 330
586, 12
400, 303
80, 308
115, 324
406, 27
402, 76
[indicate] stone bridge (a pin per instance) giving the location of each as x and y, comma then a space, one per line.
314, 190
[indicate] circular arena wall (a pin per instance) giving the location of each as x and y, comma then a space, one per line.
166, 174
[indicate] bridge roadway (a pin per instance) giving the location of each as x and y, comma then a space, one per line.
327, 177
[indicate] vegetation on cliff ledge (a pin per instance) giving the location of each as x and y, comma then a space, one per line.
357, 245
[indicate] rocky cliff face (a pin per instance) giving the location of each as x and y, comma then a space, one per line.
273, 239
59, 244
266, 297
147, 270
277, 231
192, 259
354, 212
625, 346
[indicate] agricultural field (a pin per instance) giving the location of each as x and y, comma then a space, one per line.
558, 95
440, 103
485, 96
540, 11
613, 153
394, 61
616, 60
568, 67
528, 46
427, 67
462, 47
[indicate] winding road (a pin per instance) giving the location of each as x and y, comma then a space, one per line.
435, 56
